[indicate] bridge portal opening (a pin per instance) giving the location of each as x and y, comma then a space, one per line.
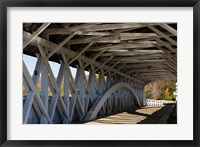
161, 90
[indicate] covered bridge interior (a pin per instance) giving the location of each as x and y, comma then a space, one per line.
121, 59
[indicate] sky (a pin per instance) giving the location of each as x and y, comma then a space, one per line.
31, 62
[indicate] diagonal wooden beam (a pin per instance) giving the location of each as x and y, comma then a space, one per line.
104, 63
162, 34
32, 87
167, 52
35, 34
94, 58
118, 69
169, 28
166, 45
112, 67
61, 44
93, 77
55, 86
73, 83
70, 53
78, 55
85, 80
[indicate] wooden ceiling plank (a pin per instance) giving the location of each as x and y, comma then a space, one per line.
121, 46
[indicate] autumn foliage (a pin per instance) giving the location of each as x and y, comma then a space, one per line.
163, 90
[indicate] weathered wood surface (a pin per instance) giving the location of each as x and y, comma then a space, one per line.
131, 43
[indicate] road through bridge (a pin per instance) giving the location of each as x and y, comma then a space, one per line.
120, 59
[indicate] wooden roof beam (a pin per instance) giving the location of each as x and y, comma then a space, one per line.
94, 27
121, 46
169, 28
162, 34
35, 34
114, 38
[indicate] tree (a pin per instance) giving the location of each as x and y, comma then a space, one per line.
160, 90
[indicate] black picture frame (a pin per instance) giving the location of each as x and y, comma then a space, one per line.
4, 4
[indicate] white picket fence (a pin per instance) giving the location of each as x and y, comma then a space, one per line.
150, 102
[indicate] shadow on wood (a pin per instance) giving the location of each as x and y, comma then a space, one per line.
165, 115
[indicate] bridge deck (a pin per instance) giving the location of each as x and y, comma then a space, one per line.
144, 115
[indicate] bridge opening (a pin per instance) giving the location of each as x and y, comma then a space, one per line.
82, 71
161, 90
